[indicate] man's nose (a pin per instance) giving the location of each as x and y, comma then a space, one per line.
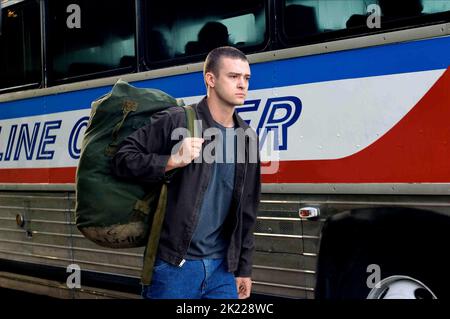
241, 83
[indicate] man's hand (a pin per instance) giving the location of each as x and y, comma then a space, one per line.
189, 150
244, 287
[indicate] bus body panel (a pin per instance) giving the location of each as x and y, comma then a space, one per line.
348, 127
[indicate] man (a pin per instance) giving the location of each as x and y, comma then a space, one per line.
206, 244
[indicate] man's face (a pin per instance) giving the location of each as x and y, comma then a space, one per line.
231, 84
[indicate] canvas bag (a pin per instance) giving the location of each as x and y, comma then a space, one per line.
109, 211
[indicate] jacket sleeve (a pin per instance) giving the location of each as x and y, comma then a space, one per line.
144, 154
250, 205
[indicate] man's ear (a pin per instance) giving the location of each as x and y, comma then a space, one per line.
210, 79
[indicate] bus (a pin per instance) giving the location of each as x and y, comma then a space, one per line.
351, 98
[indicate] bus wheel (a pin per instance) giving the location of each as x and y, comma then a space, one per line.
400, 249
401, 287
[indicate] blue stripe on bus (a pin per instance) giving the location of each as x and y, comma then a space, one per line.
377, 61
51, 104
413, 56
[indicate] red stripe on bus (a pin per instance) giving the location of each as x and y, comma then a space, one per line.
415, 150
61, 175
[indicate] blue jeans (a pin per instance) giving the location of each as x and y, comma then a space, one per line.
196, 279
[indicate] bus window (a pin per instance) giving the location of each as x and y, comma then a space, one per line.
20, 45
186, 29
302, 18
435, 6
313, 21
90, 38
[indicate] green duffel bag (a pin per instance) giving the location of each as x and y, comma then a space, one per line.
109, 211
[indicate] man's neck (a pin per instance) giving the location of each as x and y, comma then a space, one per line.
221, 112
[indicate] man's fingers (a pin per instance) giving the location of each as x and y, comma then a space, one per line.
244, 287
190, 149
194, 140
196, 147
243, 293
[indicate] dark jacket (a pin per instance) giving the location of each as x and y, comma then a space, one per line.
143, 157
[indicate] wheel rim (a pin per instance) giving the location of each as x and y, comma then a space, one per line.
401, 287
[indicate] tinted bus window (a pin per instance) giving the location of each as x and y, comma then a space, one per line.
310, 21
88, 37
188, 28
20, 45
309, 17
434, 6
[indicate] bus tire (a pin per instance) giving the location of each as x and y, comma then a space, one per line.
363, 247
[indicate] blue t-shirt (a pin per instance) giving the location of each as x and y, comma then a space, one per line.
208, 240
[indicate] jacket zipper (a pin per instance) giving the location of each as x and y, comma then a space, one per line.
240, 200
196, 133
195, 226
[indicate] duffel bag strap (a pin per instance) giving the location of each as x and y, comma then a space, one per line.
158, 218
153, 238
190, 120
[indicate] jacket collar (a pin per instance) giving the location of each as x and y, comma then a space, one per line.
205, 114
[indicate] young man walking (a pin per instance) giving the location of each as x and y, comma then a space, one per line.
206, 244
